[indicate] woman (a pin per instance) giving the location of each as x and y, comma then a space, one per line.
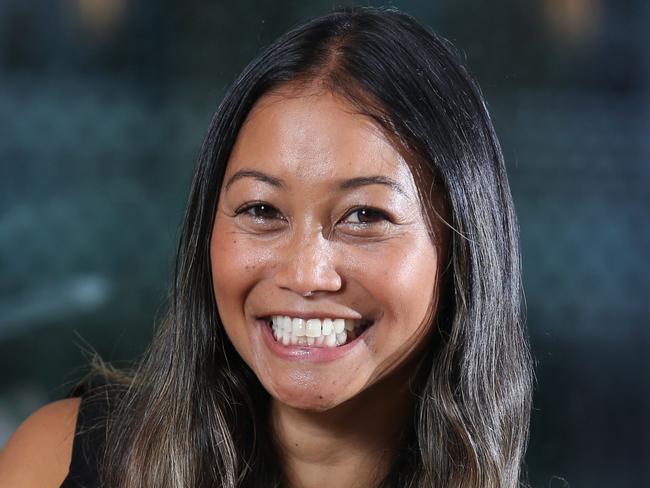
346, 309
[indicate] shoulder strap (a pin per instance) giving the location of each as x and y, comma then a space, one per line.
89, 439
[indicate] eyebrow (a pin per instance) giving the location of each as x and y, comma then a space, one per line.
343, 185
258, 175
372, 180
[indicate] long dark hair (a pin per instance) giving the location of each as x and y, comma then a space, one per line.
194, 414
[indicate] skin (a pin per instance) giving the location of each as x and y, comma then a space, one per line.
328, 417
38, 454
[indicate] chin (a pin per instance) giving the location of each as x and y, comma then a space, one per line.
310, 399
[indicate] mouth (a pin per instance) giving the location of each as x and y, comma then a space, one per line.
317, 333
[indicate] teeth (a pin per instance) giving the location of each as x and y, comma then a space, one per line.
298, 327
314, 332
341, 338
285, 323
330, 340
327, 327
339, 325
313, 328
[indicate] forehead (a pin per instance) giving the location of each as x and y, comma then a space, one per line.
312, 137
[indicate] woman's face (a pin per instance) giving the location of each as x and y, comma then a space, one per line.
318, 218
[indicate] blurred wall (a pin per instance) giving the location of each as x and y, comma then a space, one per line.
103, 106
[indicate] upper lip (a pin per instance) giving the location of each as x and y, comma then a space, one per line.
315, 315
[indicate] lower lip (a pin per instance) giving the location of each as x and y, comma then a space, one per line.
304, 353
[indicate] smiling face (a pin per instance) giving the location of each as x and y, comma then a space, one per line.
318, 217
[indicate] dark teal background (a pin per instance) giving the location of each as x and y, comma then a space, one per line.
103, 107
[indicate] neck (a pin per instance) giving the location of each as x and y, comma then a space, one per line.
352, 444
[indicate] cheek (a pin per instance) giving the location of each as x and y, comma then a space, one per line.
233, 267
415, 278
226, 265
404, 282
238, 265
232, 278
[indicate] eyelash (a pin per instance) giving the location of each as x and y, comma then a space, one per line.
249, 206
256, 205
381, 215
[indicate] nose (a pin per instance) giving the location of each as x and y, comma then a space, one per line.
307, 266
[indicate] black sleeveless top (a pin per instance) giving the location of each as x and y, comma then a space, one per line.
89, 436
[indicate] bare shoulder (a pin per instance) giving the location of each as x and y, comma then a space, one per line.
39, 452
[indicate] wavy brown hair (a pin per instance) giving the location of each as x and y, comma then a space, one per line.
193, 413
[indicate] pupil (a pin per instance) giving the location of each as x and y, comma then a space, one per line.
365, 214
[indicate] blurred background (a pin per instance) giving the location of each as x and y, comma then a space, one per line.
103, 107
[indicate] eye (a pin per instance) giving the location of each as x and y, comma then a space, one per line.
259, 211
365, 216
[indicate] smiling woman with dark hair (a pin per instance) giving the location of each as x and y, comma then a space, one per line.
347, 302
